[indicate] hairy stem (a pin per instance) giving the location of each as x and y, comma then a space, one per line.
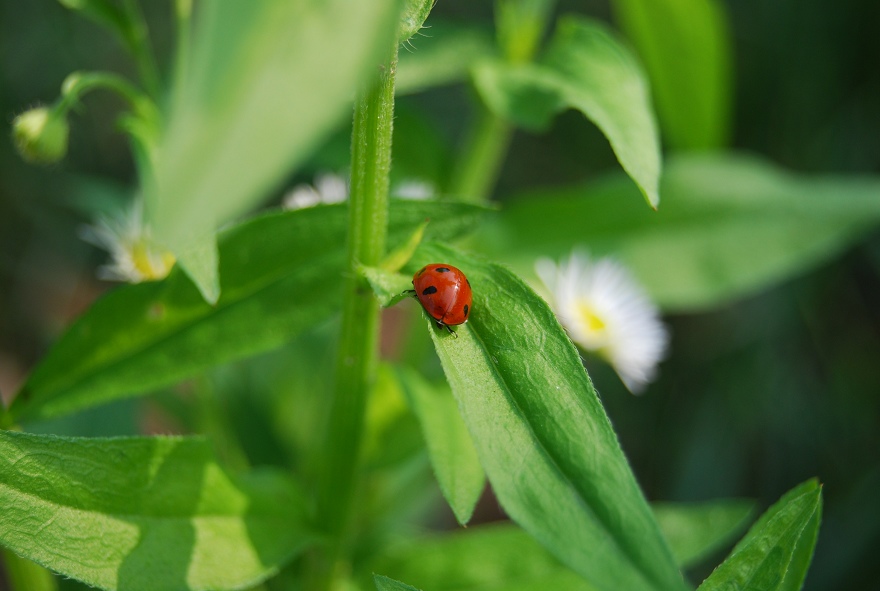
358, 348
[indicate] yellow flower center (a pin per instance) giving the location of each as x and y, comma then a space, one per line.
590, 319
150, 264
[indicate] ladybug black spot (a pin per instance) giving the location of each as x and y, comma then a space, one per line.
442, 270
465, 309
429, 290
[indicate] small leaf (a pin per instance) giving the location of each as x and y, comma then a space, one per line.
281, 274
389, 288
398, 257
108, 511
586, 68
695, 530
260, 91
775, 554
415, 13
386, 584
686, 48
450, 447
542, 435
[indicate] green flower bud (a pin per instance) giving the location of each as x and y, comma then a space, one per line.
40, 135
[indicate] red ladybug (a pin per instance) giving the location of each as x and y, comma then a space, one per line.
445, 294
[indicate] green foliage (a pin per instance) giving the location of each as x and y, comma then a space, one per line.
686, 47
249, 110
155, 513
775, 554
586, 68
142, 337
542, 435
415, 12
729, 225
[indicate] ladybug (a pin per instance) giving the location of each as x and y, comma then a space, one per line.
445, 294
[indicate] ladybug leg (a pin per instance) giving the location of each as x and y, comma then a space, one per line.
408, 292
448, 328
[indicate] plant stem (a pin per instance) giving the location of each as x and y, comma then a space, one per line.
24, 575
477, 170
138, 41
358, 349
182, 18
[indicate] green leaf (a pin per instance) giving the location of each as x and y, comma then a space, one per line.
686, 48
496, 557
451, 449
144, 513
442, 55
542, 435
415, 13
730, 225
386, 584
262, 89
696, 530
281, 274
775, 554
389, 287
586, 68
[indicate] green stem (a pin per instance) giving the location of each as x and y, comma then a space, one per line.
138, 41
79, 83
477, 170
358, 349
182, 17
24, 575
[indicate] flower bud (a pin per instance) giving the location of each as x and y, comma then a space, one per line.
40, 135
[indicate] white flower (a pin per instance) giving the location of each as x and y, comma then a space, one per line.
414, 189
135, 257
329, 188
606, 311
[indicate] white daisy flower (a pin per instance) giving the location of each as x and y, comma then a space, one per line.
328, 188
135, 256
606, 311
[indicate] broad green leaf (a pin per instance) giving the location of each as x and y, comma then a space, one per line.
450, 447
497, 557
261, 90
588, 69
386, 584
281, 273
730, 225
686, 48
440, 55
775, 554
520, 25
144, 513
542, 435
695, 530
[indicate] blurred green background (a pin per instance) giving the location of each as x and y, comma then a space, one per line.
755, 397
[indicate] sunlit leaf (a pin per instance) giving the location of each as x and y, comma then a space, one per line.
144, 513
281, 274
685, 46
267, 81
542, 435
